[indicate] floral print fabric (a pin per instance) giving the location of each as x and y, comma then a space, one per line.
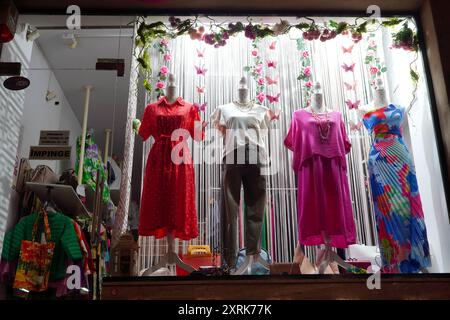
400, 222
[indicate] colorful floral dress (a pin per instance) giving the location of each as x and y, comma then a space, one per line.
92, 163
400, 223
168, 195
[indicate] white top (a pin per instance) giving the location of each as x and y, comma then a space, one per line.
244, 126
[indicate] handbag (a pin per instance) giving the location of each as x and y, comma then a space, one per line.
69, 178
23, 175
35, 259
42, 174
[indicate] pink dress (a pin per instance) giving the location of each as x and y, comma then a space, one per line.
323, 200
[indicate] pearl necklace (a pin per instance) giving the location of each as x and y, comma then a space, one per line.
248, 105
323, 125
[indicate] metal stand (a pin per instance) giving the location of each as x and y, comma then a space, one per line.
246, 267
171, 258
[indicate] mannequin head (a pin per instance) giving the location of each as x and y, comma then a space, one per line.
379, 94
243, 90
317, 98
171, 90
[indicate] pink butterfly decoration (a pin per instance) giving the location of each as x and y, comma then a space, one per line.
271, 81
349, 86
273, 99
201, 89
200, 54
352, 105
349, 49
272, 45
201, 70
355, 126
200, 107
271, 64
348, 68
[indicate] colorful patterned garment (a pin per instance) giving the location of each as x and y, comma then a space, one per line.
400, 223
92, 162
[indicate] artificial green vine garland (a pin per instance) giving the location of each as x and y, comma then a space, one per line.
218, 34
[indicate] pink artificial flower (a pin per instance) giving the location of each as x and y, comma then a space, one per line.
164, 70
261, 97
308, 84
261, 81
371, 53
167, 57
254, 53
164, 42
305, 54
374, 70
258, 68
372, 43
307, 71
160, 85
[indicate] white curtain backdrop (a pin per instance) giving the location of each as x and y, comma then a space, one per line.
224, 69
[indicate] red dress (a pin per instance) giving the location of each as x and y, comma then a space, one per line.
168, 195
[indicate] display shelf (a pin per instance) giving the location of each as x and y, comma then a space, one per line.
297, 287
63, 196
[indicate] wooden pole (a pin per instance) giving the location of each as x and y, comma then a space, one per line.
88, 89
107, 140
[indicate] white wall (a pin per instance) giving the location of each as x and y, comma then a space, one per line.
11, 110
42, 115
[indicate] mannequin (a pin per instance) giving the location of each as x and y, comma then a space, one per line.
171, 256
387, 123
320, 132
242, 124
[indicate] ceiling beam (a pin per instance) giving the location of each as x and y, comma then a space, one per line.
222, 7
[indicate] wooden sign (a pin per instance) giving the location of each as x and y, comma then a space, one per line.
50, 153
54, 138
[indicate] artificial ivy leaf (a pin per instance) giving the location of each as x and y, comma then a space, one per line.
414, 76
302, 26
384, 69
333, 24
392, 22
155, 25
342, 26
147, 85
362, 28
246, 68
142, 63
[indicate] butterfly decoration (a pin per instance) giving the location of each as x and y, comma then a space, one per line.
271, 64
201, 53
348, 50
355, 126
272, 45
348, 68
201, 89
200, 107
273, 99
271, 81
201, 70
350, 86
352, 105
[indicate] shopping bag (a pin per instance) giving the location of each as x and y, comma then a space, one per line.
33, 268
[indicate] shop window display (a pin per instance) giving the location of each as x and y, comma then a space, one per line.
283, 61
256, 142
